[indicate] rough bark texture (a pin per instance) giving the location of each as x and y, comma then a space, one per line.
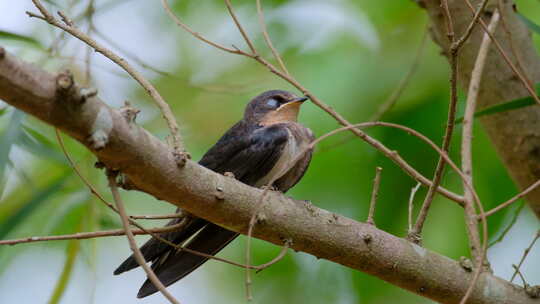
515, 134
152, 168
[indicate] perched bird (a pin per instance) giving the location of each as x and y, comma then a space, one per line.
256, 150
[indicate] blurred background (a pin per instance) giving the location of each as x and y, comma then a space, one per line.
351, 54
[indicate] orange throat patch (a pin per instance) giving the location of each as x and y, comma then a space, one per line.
285, 113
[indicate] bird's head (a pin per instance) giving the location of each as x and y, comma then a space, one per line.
273, 107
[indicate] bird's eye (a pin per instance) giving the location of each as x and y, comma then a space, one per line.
272, 103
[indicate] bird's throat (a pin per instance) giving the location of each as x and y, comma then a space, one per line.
286, 113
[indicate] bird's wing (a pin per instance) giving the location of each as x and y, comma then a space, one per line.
248, 156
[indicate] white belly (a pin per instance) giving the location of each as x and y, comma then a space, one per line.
290, 152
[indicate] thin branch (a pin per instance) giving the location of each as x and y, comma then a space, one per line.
241, 28
88, 184
133, 245
448, 19
267, 38
416, 233
192, 32
466, 143
479, 254
278, 258
158, 217
150, 89
130, 55
374, 194
89, 235
513, 199
411, 203
458, 44
525, 253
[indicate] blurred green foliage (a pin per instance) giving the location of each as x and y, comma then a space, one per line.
42, 195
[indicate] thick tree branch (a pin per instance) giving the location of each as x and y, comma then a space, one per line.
514, 133
150, 166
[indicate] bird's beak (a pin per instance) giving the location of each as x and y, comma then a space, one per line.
293, 102
299, 99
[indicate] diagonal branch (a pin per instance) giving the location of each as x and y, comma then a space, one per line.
132, 244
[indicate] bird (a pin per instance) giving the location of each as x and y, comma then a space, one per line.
257, 150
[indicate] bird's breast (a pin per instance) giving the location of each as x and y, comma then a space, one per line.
294, 146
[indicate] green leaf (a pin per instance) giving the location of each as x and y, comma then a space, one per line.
506, 106
21, 38
3, 111
530, 24
72, 251
31, 205
39, 145
7, 139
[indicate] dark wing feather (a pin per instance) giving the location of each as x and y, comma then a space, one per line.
210, 240
154, 248
249, 158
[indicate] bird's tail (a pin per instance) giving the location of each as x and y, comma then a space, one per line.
177, 264
154, 248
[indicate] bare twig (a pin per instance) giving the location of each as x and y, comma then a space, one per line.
158, 217
518, 272
241, 28
268, 40
130, 55
416, 233
513, 199
525, 253
73, 30
479, 254
374, 194
88, 184
458, 44
466, 143
278, 258
192, 32
411, 203
448, 19
89, 14
133, 245
89, 235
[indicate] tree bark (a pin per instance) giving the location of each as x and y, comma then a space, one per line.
515, 134
150, 166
